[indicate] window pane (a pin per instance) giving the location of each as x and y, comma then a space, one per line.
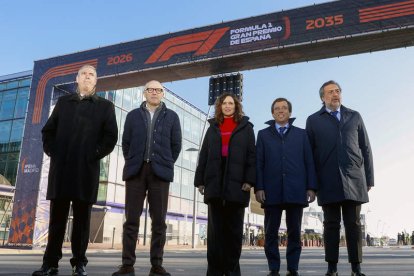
21, 102
104, 169
3, 162
118, 98
121, 164
25, 82
13, 84
17, 130
11, 170
111, 96
7, 106
5, 128
127, 99
102, 192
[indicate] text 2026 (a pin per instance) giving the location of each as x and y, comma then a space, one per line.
124, 58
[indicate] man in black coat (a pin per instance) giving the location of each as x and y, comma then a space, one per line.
344, 167
81, 130
151, 143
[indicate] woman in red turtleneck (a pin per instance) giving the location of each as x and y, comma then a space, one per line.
225, 173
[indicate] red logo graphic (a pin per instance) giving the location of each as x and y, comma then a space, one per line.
201, 43
386, 11
53, 72
23, 164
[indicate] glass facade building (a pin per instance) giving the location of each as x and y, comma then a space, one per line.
14, 95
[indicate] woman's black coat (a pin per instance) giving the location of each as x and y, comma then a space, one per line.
240, 166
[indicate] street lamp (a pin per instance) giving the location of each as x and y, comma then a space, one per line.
195, 189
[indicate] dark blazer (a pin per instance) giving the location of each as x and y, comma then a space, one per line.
239, 168
285, 169
342, 154
76, 136
165, 148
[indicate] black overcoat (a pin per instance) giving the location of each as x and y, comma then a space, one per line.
342, 154
76, 136
240, 167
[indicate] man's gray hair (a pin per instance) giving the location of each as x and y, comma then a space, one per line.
88, 66
146, 85
326, 84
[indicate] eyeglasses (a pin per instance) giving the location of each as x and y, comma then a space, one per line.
152, 90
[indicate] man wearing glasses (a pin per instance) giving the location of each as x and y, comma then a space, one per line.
344, 166
151, 143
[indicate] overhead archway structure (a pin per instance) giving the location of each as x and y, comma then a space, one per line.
315, 32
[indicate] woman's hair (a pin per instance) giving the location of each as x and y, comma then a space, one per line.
238, 112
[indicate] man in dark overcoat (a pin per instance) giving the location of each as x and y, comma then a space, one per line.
151, 143
81, 130
344, 167
286, 180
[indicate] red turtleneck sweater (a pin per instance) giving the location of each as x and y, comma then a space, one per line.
226, 129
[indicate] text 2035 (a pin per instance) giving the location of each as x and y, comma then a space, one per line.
323, 22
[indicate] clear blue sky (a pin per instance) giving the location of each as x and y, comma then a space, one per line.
378, 85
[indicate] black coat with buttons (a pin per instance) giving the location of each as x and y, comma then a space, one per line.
166, 144
239, 168
76, 136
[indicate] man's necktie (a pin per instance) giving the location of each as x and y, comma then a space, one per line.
335, 114
282, 130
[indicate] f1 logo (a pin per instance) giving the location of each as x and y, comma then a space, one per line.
201, 43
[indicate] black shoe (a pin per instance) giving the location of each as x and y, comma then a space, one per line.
46, 270
331, 273
125, 270
79, 270
357, 274
273, 273
157, 270
292, 273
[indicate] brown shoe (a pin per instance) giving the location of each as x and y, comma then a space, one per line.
157, 270
125, 270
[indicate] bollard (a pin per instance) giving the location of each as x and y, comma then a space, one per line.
113, 237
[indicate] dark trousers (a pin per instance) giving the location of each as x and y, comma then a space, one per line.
136, 191
332, 218
224, 238
59, 210
273, 215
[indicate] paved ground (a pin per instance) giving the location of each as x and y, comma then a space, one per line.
182, 261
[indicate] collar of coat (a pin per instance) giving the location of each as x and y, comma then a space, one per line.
143, 105
343, 110
272, 122
243, 122
76, 97
346, 114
